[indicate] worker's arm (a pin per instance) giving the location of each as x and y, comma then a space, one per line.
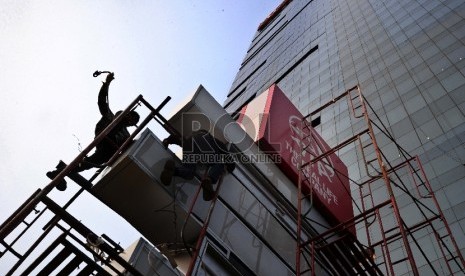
103, 104
172, 139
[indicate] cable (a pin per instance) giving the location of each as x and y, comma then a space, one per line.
78, 143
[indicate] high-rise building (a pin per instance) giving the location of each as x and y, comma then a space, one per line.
346, 125
406, 57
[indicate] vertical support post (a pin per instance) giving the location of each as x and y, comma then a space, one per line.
443, 219
203, 231
301, 177
313, 258
21, 215
388, 186
299, 223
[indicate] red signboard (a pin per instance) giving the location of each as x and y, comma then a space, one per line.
276, 125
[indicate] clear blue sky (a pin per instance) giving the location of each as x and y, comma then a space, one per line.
49, 50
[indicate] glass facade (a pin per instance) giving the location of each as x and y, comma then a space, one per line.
407, 57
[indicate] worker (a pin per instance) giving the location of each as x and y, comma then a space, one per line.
112, 141
199, 148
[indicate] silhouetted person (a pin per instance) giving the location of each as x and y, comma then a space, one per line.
112, 141
199, 148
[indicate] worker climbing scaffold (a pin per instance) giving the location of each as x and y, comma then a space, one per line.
112, 141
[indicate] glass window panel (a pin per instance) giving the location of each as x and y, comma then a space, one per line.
451, 176
410, 94
405, 85
421, 74
401, 128
430, 130
457, 95
439, 63
409, 141
446, 41
441, 105
428, 50
454, 192
422, 116
396, 114
414, 104
451, 118
453, 81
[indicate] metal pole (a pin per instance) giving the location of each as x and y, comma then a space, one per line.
299, 212
85, 232
441, 214
22, 214
203, 231
388, 187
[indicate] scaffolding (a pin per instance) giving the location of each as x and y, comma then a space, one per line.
75, 238
387, 241
196, 259
396, 208
72, 238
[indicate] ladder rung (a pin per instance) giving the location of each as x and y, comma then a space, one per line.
453, 258
367, 145
366, 195
445, 236
415, 170
372, 160
399, 261
392, 229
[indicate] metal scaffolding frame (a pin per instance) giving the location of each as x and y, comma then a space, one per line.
75, 238
380, 221
196, 257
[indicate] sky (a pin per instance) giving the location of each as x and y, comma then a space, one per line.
49, 50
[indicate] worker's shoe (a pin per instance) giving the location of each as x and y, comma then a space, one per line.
61, 186
208, 192
167, 173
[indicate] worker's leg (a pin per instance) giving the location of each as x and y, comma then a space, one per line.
214, 173
186, 171
61, 186
99, 157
